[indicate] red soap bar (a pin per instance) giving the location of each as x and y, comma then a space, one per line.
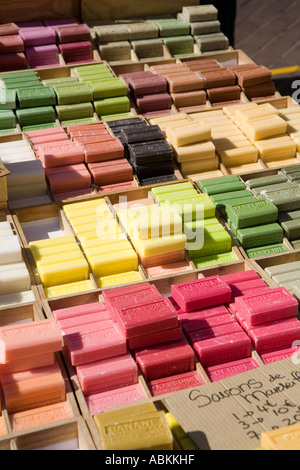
147, 318
10, 44
83, 140
240, 277
175, 383
111, 149
224, 371
202, 315
154, 102
129, 296
202, 293
147, 85
210, 322
217, 331
88, 133
13, 61
9, 29
86, 192
86, 309
109, 374
61, 154
88, 346
269, 306
223, 349
160, 337
73, 33
85, 127
157, 362
111, 172
100, 402
75, 49
275, 356
275, 336
244, 288
68, 178
117, 187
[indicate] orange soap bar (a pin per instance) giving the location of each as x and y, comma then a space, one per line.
40, 416
3, 429
33, 362
29, 339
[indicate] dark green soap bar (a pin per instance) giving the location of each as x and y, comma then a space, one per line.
285, 216
291, 229
35, 116
21, 85
284, 199
250, 214
266, 180
8, 99
273, 187
254, 237
7, 119
34, 97
267, 250
290, 169
223, 206
232, 195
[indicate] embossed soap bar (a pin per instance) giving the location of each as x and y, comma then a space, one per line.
250, 214
223, 371
175, 383
275, 336
223, 349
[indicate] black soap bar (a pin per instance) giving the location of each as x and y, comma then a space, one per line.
125, 122
153, 169
149, 134
150, 151
159, 180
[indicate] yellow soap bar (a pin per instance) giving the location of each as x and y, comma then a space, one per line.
52, 242
78, 206
194, 152
238, 156
188, 134
39, 253
231, 144
264, 128
111, 234
190, 168
88, 220
101, 242
74, 255
119, 279
159, 246
168, 118
69, 289
231, 110
155, 224
290, 111
64, 272
276, 150
220, 133
99, 227
118, 245
287, 438
255, 114
114, 263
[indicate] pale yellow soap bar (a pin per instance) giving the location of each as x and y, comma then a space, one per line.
52, 242
188, 134
238, 156
264, 128
159, 246
256, 114
189, 153
69, 289
168, 118
190, 168
119, 279
231, 110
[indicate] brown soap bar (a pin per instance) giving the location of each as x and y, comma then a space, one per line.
185, 82
256, 91
155, 102
241, 67
10, 44
9, 29
189, 99
254, 76
218, 78
147, 85
223, 94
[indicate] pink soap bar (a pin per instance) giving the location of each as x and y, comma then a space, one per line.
273, 305
85, 127
38, 36
112, 149
61, 155
147, 318
9, 29
46, 132
78, 311
202, 293
96, 139
175, 383
90, 346
202, 315
86, 328
210, 322
241, 289
100, 402
157, 362
129, 296
160, 337
275, 356
75, 323
29, 339
216, 332
69, 178
224, 371
117, 187
73, 33
223, 349
107, 375
34, 362
275, 336
11, 44
240, 277
37, 141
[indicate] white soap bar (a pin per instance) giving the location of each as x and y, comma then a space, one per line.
17, 144
18, 298
30, 202
17, 157
27, 191
22, 173
10, 250
6, 230
14, 278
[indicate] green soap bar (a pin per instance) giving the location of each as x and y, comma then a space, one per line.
8, 99
291, 229
285, 216
116, 116
96, 77
174, 196
294, 176
234, 195
249, 214
266, 180
60, 81
9, 131
109, 88
205, 27
39, 127
90, 69
183, 56
34, 97
222, 206
168, 28
290, 169
296, 244
193, 208
35, 116
255, 237
215, 260
273, 187
7, 119
267, 250
74, 111
115, 51
161, 190
11, 76
21, 85
146, 49
216, 181
74, 94
284, 199
214, 243
195, 224
224, 188
79, 122
180, 45
109, 106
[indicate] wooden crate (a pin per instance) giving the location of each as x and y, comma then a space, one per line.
19, 11
225, 58
266, 262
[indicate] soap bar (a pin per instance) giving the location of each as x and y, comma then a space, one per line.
69, 289
215, 260
73, 33
202, 293
42, 416
129, 296
223, 349
217, 332
275, 356
164, 336
175, 383
249, 214
224, 371
184, 82
262, 235
188, 134
210, 323
276, 304
10, 250
200, 13
275, 336
109, 374
286, 438
73, 312
26, 340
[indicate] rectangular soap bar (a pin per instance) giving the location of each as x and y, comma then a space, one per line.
275, 336
249, 214
125, 297
202, 293
175, 383
164, 336
86, 309
224, 371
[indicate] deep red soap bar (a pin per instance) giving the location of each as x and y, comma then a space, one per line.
275, 336
210, 323
152, 339
223, 349
243, 276
111, 172
165, 360
202, 293
216, 332
73, 33
275, 356
10, 44
223, 371
269, 306
202, 315
241, 289
175, 383
14, 61
9, 29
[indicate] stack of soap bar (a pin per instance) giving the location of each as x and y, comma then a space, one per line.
111, 426
256, 82
287, 276
148, 48
192, 147
202, 19
170, 120
35, 116
14, 274
75, 43
35, 97
12, 48
106, 247
115, 51
40, 46
156, 234
180, 46
292, 116
89, 73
